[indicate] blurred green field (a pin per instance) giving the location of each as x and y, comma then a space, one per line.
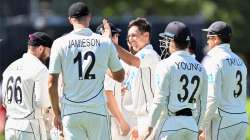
248, 111
248, 131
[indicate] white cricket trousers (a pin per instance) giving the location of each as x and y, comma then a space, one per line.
86, 126
25, 129
227, 128
178, 128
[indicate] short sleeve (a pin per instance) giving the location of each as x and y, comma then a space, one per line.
114, 62
55, 64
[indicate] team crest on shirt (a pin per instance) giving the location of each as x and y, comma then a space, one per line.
211, 78
142, 55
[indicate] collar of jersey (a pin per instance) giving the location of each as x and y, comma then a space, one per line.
148, 46
224, 46
84, 31
180, 53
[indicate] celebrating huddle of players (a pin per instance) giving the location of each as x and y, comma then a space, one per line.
106, 92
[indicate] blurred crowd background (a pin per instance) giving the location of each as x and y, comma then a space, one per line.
18, 18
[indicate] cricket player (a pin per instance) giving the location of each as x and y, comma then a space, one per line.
119, 126
142, 66
225, 117
82, 57
25, 91
181, 87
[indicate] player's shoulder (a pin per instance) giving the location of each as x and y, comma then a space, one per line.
166, 63
37, 65
13, 66
148, 52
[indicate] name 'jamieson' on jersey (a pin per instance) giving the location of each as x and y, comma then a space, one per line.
89, 42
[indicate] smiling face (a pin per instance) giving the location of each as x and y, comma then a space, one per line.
137, 39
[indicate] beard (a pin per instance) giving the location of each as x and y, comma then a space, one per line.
43, 58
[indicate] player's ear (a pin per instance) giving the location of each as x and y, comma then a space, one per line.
70, 20
41, 48
146, 35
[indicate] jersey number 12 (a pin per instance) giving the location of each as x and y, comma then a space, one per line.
78, 59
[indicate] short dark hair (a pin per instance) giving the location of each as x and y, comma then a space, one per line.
40, 38
142, 24
182, 45
225, 39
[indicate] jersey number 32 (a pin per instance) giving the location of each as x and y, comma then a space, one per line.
194, 80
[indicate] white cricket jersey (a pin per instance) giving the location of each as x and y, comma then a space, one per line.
116, 87
181, 82
227, 78
25, 88
140, 80
83, 58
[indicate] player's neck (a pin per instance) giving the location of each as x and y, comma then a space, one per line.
32, 53
80, 26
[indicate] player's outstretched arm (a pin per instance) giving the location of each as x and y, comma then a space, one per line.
126, 56
107, 28
118, 75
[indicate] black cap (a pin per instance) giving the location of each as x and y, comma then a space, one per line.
78, 9
219, 28
178, 31
114, 29
40, 38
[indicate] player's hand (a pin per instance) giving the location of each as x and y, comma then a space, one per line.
134, 134
123, 90
58, 122
202, 135
147, 133
124, 128
107, 28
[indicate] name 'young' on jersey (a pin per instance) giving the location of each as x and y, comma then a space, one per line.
183, 80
